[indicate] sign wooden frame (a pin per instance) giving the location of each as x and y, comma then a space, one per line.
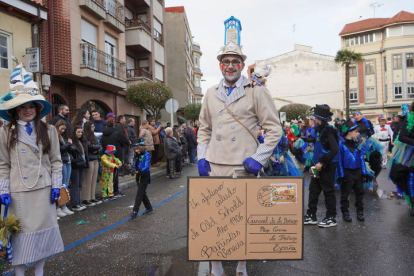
221, 210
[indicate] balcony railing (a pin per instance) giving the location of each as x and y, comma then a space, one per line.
130, 23
102, 62
157, 36
198, 90
196, 47
99, 3
158, 80
115, 9
136, 73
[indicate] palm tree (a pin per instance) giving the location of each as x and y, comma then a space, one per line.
346, 57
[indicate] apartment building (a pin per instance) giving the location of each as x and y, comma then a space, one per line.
183, 59
19, 30
385, 79
302, 76
95, 49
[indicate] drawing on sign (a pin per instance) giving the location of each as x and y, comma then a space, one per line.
283, 193
264, 196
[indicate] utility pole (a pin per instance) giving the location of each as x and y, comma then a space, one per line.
375, 5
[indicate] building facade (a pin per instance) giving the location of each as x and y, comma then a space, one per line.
95, 49
19, 29
304, 77
385, 79
183, 58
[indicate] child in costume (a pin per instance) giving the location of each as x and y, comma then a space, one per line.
308, 152
282, 161
30, 172
369, 145
142, 161
384, 134
351, 171
108, 163
325, 158
402, 160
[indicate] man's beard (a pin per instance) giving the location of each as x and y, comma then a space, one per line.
233, 78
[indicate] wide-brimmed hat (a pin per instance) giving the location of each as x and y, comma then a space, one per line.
348, 126
322, 112
22, 90
110, 148
231, 49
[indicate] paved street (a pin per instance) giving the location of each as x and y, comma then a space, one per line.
156, 244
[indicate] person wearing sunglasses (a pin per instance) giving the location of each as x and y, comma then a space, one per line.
227, 136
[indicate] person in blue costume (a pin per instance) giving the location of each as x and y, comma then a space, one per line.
141, 164
402, 160
325, 158
351, 171
308, 152
301, 144
282, 161
370, 145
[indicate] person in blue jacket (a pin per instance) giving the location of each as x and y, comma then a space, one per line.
142, 161
351, 171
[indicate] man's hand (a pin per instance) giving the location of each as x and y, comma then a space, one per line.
54, 195
203, 167
70, 140
282, 159
252, 166
318, 166
5, 199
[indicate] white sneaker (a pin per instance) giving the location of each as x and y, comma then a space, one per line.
58, 218
67, 211
60, 213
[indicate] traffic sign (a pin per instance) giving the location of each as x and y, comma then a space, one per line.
171, 105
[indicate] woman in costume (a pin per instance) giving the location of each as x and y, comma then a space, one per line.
369, 145
282, 161
30, 172
301, 144
402, 160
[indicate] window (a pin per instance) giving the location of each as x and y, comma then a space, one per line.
361, 39
353, 96
5, 51
370, 95
196, 59
410, 60
394, 31
346, 42
410, 90
89, 32
398, 91
159, 71
110, 6
408, 29
385, 92
129, 14
369, 67
385, 64
396, 61
144, 64
157, 30
352, 70
110, 49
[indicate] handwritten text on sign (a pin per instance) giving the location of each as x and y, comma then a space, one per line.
245, 218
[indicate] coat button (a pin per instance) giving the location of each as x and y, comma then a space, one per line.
233, 138
35, 151
219, 126
233, 127
219, 138
40, 176
25, 177
23, 150
25, 165
233, 113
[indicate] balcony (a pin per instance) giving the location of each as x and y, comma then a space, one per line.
135, 76
158, 36
196, 48
138, 35
97, 7
198, 71
101, 69
115, 15
198, 91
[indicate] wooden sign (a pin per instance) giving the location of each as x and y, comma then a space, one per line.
245, 218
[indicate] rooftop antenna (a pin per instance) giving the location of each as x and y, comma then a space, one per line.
375, 5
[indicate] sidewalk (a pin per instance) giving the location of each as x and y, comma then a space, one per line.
129, 180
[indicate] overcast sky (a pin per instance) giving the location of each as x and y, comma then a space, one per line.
268, 26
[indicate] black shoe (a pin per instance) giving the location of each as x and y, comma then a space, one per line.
327, 222
360, 216
147, 212
310, 220
133, 215
347, 217
88, 203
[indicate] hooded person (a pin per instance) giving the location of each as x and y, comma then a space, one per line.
325, 158
227, 137
30, 172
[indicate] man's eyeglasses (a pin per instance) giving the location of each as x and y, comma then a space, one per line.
234, 62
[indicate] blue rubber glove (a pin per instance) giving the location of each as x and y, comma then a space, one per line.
261, 139
5, 199
54, 196
203, 167
252, 166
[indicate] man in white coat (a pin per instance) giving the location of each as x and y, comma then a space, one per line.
227, 137
384, 134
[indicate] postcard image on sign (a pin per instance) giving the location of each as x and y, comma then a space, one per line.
286, 193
